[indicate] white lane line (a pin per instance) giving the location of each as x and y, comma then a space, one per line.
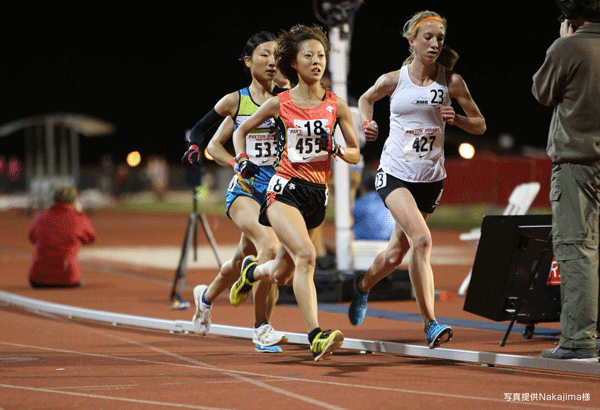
294, 380
237, 375
121, 399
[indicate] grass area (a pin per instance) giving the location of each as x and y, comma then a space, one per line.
446, 216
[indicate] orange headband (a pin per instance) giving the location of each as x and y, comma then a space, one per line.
425, 20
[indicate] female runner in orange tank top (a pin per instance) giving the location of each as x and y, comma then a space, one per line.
297, 195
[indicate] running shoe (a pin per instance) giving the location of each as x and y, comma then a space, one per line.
437, 334
201, 319
358, 307
325, 343
562, 353
265, 335
240, 291
267, 349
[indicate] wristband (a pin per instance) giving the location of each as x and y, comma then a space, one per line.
365, 123
232, 162
240, 156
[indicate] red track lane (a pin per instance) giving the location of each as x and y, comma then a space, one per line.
50, 362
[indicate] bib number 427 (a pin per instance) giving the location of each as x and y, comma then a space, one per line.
424, 144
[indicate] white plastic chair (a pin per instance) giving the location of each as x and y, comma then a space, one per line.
519, 202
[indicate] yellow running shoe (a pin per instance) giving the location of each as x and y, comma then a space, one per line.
325, 343
241, 289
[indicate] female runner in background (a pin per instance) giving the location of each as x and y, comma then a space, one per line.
246, 192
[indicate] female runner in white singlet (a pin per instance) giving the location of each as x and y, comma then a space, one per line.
411, 174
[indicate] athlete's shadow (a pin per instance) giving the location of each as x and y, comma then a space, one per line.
344, 362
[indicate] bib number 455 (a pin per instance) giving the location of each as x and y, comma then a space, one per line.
302, 140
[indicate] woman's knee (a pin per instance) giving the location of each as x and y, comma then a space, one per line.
422, 244
285, 268
305, 257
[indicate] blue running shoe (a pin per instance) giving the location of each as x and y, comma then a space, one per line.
267, 349
437, 334
358, 307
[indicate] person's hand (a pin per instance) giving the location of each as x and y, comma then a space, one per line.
327, 143
567, 28
371, 130
247, 169
191, 158
447, 112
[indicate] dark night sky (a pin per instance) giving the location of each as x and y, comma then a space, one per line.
155, 71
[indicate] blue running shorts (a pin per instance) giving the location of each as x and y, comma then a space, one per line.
255, 187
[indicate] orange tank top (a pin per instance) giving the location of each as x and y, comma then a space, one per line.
299, 155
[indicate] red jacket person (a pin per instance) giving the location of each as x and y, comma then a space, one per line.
58, 234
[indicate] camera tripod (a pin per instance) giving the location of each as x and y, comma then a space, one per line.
191, 238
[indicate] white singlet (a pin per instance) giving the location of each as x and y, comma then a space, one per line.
414, 150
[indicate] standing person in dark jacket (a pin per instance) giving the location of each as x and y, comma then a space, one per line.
58, 234
569, 81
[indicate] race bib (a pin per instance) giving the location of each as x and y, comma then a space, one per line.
276, 184
380, 179
302, 141
422, 144
261, 148
232, 183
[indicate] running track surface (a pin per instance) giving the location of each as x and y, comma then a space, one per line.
52, 362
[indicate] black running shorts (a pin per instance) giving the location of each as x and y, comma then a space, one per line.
309, 198
427, 194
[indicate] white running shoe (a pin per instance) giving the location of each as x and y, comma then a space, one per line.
265, 335
201, 320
